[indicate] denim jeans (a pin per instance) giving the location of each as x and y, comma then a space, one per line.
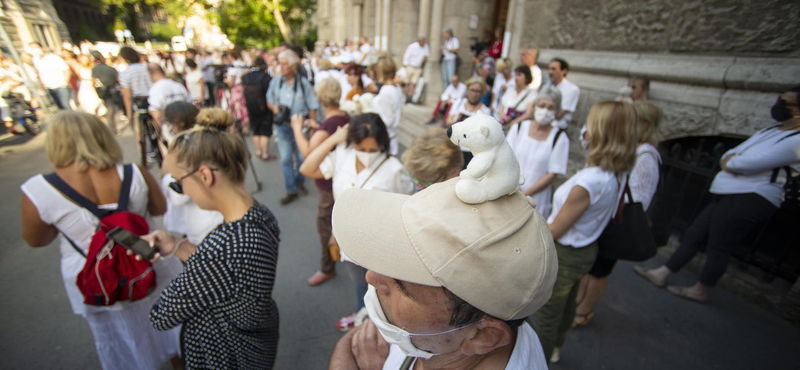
291, 158
60, 97
448, 70
359, 276
553, 321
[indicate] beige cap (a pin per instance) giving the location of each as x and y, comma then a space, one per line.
498, 256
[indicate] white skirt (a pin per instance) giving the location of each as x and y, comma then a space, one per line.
126, 340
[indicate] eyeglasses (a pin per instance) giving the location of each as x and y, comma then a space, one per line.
424, 183
176, 185
475, 91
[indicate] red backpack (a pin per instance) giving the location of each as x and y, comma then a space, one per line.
110, 274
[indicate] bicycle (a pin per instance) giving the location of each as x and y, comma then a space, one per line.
148, 133
22, 113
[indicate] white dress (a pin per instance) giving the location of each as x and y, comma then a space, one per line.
123, 335
389, 105
538, 158
87, 95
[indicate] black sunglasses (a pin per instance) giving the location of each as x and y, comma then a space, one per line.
176, 185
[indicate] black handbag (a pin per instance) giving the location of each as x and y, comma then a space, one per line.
628, 235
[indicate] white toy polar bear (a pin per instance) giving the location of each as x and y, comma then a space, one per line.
493, 171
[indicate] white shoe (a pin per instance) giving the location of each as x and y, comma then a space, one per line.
556, 356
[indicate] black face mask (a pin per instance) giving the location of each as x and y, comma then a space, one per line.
781, 112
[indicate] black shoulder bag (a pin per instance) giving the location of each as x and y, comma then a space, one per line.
628, 237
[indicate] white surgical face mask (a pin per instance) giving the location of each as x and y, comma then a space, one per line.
367, 158
393, 334
544, 116
37, 52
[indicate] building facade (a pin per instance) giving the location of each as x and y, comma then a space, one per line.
28, 21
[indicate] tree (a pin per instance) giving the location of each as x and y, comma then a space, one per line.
265, 23
129, 11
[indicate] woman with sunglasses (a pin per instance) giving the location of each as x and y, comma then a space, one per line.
183, 216
223, 296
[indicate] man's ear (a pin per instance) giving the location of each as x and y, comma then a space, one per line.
490, 335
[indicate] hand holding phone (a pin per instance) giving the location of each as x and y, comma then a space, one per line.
131, 241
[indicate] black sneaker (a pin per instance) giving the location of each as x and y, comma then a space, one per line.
301, 189
431, 121
288, 199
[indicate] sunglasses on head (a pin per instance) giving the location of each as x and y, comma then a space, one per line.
176, 185
424, 183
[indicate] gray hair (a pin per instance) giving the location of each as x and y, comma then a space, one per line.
420, 37
290, 56
552, 93
448, 30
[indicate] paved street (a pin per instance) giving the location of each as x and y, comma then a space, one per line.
635, 327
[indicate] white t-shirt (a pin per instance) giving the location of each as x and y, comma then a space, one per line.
754, 162
645, 174
527, 353
52, 71
389, 105
604, 193
536, 81
497, 90
194, 80
185, 217
238, 69
538, 158
166, 91
346, 86
366, 49
340, 164
79, 225
570, 93
512, 99
330, 73
453, 94
208, 69
416, 54
460, 109
451, 44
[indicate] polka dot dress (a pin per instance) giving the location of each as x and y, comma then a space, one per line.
223, 297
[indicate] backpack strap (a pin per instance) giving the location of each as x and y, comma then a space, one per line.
73, 244
125, 190
74, 196
555, 139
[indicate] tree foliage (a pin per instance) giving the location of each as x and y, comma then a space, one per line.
250, 23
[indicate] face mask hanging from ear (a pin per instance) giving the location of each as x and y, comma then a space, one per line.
584, 142
393, 334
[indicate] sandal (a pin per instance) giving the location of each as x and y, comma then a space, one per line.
683, 292
582, 319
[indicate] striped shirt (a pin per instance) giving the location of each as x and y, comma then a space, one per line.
136, 78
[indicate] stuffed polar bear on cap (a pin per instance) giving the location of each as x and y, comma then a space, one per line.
493, 171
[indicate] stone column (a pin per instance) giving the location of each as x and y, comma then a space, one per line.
515, 22
385, 24
357, 10
378, 29
424, 19
433, 70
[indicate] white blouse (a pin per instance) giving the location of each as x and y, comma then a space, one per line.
645, 174
340, 164
79, 225
389, 105
519, 100
185, 217
604, 193
538, 158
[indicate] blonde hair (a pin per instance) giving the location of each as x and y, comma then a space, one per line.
385, 68
79, 137
612, 130
215, 117
475, 80
325, 64
433, 155
208, 146
329, 92
503, 63
650, 116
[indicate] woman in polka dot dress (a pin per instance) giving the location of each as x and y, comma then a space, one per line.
223, 296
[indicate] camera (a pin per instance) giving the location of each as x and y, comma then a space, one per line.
477, 46
283, 115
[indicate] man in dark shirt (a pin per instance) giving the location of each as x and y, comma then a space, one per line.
107, 86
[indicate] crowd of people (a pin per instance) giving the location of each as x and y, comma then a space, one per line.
439, 283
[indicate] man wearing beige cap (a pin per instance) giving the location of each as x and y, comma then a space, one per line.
450, 283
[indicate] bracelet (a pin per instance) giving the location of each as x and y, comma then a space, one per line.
177, 245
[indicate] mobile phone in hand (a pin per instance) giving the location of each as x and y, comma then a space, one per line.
131, 241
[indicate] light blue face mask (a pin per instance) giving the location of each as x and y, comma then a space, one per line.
393, 334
